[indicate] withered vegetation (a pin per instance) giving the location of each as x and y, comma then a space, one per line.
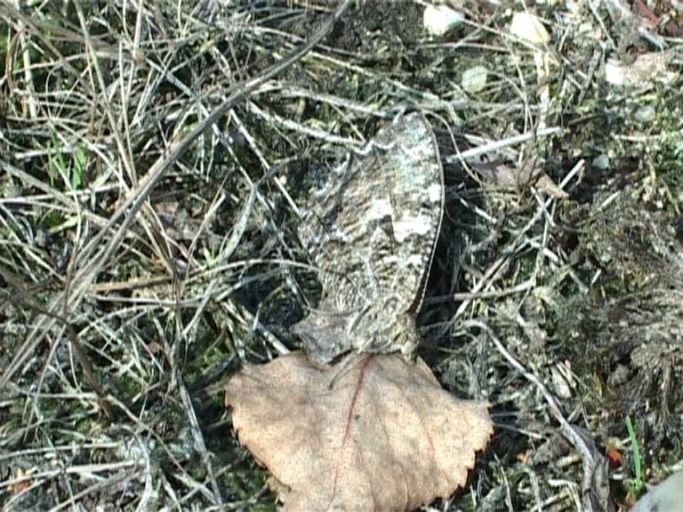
144, 259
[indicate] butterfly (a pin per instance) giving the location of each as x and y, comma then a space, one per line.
371, 231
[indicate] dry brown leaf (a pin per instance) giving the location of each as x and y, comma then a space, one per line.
530, 173
379, 434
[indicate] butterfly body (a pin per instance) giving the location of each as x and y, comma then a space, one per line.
371, 232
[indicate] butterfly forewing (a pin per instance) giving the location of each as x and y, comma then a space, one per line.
371, 232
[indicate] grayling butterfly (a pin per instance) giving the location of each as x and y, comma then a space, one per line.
371, 232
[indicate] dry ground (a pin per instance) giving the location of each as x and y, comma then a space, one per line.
143, 258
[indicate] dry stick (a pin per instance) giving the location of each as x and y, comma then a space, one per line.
316, 133
593, 463
502, 144
132, 204
72, 470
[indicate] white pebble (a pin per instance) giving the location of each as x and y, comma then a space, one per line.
528, 27
474, 79
439, 19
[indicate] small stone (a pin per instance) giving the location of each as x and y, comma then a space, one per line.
439, 19
601, 162
529, 28
644, 114
474, 79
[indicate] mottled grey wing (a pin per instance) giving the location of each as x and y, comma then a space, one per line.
371, 231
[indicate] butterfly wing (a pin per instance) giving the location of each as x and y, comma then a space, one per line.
371, 231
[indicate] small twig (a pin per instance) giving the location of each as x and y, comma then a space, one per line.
497, 145
274, 119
